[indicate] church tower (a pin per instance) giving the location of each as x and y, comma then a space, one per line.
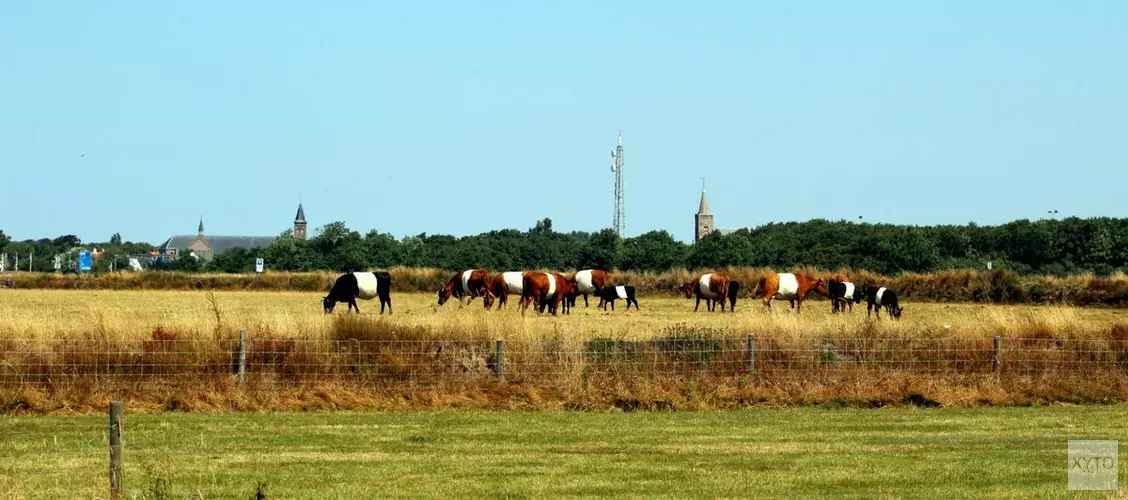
300, 223
703, 219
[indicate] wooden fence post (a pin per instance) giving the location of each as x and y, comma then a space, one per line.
499, 358
751, 354
998, 353
242, 357
117, 471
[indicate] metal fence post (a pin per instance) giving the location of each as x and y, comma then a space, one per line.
998, 353
751, 354
242, 357
499, 358
117, 471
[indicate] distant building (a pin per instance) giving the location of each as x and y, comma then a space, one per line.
300, 223
704, 218
206, 247
704, 223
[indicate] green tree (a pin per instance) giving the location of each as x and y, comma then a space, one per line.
115, 240
601, 251
653, 251
287, 253
382, 249
233, 260
340, 248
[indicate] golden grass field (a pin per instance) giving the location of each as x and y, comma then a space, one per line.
296, 359
42, 314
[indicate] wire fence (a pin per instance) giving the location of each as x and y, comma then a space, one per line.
48, 362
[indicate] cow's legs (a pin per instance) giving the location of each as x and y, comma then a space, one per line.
352, 305
698, 304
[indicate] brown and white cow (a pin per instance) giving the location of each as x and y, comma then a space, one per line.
788, 286
543, 290
713, 287
472, 283
502, 285
589, 281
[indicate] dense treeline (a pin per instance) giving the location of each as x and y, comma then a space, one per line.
1050, 247
1070, 246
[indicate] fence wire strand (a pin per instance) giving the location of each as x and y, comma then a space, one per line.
49, 361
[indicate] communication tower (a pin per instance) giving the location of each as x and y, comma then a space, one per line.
617, 163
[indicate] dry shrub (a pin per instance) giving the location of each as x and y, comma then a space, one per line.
1118, 332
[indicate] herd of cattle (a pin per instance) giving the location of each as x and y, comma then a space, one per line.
557, 292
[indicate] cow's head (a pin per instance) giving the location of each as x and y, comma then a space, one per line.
328, 304
896, 312
687, 289
444, 294
820, 287
488, 298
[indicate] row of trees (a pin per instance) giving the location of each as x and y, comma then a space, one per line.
1058, 247
40, 254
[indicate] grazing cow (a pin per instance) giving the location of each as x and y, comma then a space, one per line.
473, 282
589, 281
876, 298
351, 286
501, 286
788, 286
608, 295
545, 290
713, 287
842, 294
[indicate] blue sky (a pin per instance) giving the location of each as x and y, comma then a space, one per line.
445, 117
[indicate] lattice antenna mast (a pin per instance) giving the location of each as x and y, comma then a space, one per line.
617, 164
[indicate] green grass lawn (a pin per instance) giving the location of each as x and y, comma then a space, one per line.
793, 452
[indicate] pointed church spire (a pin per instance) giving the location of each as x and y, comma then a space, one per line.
301, 214
704, 207
200, 230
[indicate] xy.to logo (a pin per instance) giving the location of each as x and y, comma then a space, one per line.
1094, 465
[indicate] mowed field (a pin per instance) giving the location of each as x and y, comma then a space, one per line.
759, 452
135, 314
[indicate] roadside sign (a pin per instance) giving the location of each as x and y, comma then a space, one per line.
258, 265
84, 261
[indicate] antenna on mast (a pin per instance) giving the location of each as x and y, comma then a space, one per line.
617, 163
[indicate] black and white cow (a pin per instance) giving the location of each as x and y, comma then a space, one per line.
842, 294
366, 286
608, 295
876, 298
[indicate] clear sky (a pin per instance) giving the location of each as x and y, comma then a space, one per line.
450, 117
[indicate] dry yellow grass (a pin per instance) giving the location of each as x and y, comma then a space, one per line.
200, 314
432, 357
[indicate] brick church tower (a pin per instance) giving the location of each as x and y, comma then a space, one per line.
300, 224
